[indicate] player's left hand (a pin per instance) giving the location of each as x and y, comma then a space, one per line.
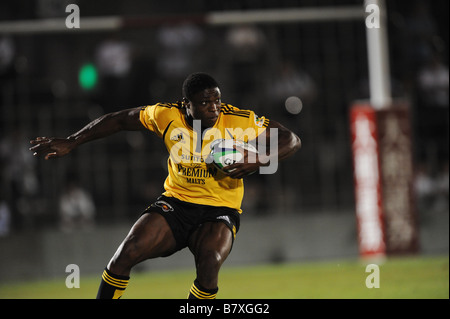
247, 166
240, 170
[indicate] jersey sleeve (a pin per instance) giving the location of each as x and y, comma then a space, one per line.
246, 124
256, 125
259, 121
150, 119
147, 116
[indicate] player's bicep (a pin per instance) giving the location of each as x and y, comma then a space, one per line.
131, 119
274, 133
263, 134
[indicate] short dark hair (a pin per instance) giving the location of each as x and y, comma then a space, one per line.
197, 82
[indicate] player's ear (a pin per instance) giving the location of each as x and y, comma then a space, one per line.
185, 102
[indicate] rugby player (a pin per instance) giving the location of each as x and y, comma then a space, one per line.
201, 206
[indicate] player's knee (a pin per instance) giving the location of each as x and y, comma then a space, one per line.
132, 249
127, 255
210, 262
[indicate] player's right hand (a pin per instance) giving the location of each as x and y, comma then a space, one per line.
51, 147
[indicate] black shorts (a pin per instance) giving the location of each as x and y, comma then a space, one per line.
184, 217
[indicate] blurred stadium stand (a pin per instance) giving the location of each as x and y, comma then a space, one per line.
258, 66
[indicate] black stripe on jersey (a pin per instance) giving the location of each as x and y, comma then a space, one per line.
229, 108
237, 113
226, 109
178, 105
234, 114
166, 129
232, 108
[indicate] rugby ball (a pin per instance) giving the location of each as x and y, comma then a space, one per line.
225, 152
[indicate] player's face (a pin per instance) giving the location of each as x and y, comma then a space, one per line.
205, 106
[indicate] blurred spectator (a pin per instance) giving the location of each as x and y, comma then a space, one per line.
433, 83
113, 58
18, 172
247, 42
7, 52
177, 50
432, 110
7, 72
432, 190
247, 45
5, 219
76, 208
178, 43
291, 81
424, 188
442, 186
420, 31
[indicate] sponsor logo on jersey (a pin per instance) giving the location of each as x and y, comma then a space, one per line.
259, 121
178, 137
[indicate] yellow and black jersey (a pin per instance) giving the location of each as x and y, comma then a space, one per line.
190, 178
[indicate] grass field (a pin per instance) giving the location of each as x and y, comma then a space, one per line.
400, 278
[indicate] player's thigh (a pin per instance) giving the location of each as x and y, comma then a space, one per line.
212, 241
150, 237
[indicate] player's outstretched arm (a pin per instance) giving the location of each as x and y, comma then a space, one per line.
108, 124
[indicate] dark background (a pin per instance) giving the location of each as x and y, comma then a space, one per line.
258, 67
